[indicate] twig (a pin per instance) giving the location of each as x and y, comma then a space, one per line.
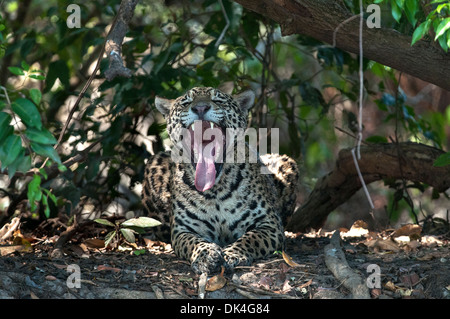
340, 25
261, 291
337, 264
227, 25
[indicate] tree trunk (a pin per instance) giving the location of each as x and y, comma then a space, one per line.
319, 18
410, 161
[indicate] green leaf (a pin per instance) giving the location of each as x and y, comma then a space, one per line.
410, 10
37, 76
128, 234
5, 128
36, 96
52, 196
46, 151
142, 222
396, 11
420, 31
34, 191
42, 136
25, 66
110, 236
104, 222
28, 112
442, 27
10, 149
443, 43
23, 164
442, 160
46, 207
57, 70
16, 70
139, 252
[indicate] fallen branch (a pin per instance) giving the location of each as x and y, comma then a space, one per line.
409, 161
337, 264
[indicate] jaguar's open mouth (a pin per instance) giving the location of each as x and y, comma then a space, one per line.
207, 152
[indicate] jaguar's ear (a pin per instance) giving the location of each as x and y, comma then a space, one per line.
163, 105
245, 99
226, 87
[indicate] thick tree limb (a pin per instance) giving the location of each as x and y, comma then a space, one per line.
337, 264
319, 18
113, 47
377, 162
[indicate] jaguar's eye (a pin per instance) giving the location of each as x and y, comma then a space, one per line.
185, 102
219, 101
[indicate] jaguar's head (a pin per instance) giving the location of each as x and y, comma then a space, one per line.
198, 120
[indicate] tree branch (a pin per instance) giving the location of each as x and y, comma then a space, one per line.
337, 264
319, 19
377, 162
114, 41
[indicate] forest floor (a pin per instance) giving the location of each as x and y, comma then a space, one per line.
402, 263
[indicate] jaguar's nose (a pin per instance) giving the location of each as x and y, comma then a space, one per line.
201, 109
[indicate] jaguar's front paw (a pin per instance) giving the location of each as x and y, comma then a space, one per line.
233, 259
209, 260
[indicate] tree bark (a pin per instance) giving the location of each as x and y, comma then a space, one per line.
407, 161
320, 18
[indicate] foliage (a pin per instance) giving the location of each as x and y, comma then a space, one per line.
127, 228
423, 16
301, 85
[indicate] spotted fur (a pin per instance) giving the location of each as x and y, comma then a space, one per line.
241, 217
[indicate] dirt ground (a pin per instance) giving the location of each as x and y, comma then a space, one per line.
402, 263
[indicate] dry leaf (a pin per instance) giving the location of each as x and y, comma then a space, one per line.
94, 243
50, 277
426, 257
390, 286
358, 229
33, 295
104, 267
216, 282
410, 280
288, 260
265, 282
411, 230
286, 287
59, 266
8, 229
6, 250
306, 284
431, 241
380, 244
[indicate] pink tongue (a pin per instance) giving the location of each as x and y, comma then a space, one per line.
205, 172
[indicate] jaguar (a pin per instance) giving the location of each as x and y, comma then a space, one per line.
215, 211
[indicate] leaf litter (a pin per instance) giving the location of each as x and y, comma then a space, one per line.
412, 265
